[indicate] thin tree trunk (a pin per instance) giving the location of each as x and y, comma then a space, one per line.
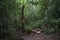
22, 19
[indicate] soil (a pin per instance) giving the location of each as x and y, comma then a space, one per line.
37, 37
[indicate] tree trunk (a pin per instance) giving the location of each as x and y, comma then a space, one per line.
22, 19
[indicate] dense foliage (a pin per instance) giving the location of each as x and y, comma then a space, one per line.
43, 14
9, 9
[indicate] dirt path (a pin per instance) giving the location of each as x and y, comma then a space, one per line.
37, 37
